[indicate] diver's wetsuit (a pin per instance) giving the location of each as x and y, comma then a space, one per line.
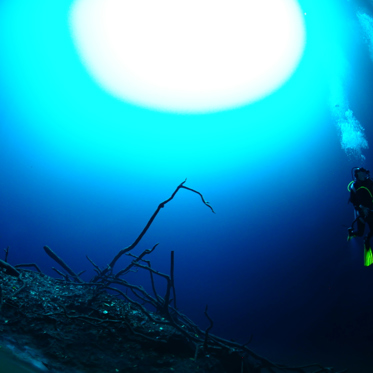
362, 195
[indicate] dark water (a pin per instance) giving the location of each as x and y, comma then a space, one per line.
272, 263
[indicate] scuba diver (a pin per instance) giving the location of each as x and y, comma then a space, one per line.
361, 196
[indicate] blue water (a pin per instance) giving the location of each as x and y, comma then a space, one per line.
83, 172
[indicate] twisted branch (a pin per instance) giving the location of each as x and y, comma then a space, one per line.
138, 239
138, 258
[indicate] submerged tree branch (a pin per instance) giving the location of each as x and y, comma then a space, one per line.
96, 305
56, 258
138, 239
208, 329
6, 254
138, 258
9, 269
29, 265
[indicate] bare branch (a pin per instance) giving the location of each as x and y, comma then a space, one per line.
9, 269
172, 276
29, 265
6, 254
160, 206
56, 258
64, 275
203, 200
151, 276
98, 270
138, 258
208, 329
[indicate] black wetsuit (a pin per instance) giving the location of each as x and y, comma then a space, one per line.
361, 194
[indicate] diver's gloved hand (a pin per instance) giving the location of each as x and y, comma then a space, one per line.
351, 233
364, 211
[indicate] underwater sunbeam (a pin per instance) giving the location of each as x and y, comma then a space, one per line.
189, 56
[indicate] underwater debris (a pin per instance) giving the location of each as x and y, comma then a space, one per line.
79, 326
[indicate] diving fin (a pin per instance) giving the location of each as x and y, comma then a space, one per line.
368, 256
